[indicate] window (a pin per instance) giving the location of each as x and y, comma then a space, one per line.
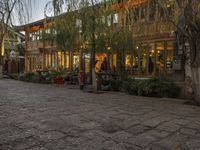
152, 11
115, 19
109, 20
169, 9
127, 19
103, 19
79, 24
135, 14
143, 12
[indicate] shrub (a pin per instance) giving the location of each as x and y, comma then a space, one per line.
133, 90
115, 83
54, 74
29, 76
130, 86
153, 87
21, 77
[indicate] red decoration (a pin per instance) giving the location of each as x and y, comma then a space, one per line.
58, 80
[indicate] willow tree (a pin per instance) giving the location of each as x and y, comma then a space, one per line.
97, 30
186, 19
84, 26
66, 32
8, 9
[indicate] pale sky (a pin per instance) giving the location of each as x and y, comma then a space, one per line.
37, 11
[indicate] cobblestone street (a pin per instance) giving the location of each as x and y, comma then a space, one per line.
46, 117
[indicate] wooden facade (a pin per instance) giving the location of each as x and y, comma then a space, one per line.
153, 36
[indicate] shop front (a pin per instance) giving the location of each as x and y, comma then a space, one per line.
152, 59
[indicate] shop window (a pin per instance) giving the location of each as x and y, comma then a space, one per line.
55, 61
143, 60
59, 60
52, 60
46, 60
87, 63
75, 61
63, 60
128, 61
114, 61
169, 57
160, 58
67, 60
136, 60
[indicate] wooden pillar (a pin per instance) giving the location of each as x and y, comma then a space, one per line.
32, 62
47, 60
44, 61
57, 61
61, 59
51, 60
27, 63
26, 48
65, 60
165, 58
132, 55
147, 59
155, 59
139, 60
148, 11
81, 60
111, 61
71, 60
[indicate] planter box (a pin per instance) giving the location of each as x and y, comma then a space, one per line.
58, 80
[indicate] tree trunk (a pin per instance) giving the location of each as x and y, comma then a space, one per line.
196, 73
196, 83
1, 60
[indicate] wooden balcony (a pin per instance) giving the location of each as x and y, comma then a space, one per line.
33, 45
145, 29
39, 45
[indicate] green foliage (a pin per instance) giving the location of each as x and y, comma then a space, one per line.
115, 83
153, 87
130, 86
29, 77
67, 32
54, 74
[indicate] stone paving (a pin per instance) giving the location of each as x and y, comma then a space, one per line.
47, 117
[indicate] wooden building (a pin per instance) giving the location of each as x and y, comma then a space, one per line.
12, 52
154, 38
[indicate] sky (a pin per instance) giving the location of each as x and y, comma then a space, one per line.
37, 11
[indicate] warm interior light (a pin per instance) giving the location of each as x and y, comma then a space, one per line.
108, 48
168, 5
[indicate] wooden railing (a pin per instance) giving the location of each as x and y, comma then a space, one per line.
143, 29
33, 45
